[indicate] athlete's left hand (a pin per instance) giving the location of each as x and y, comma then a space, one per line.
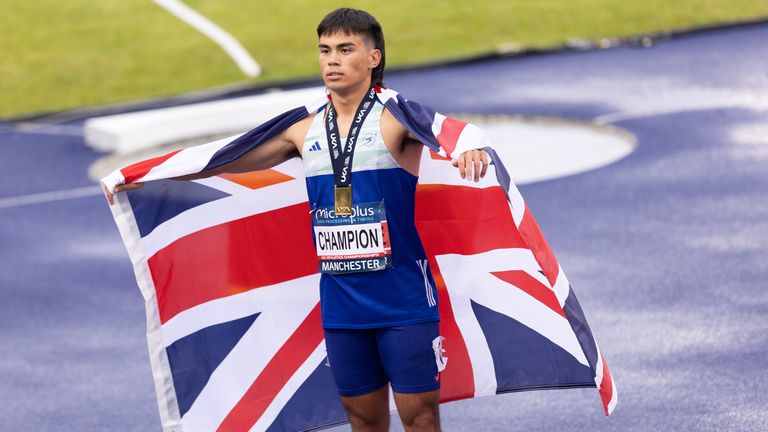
477, 159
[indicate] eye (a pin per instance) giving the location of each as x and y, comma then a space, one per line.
345, 50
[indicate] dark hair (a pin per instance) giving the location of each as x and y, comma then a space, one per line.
357, 22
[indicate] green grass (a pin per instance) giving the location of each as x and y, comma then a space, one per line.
66, 54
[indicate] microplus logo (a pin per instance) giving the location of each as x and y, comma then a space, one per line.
357, 211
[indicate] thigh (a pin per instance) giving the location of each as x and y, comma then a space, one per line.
419, 411
411, 356
354, 359
369, 412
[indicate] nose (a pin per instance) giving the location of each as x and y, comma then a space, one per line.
333, 58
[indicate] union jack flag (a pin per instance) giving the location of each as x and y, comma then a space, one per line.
228, 272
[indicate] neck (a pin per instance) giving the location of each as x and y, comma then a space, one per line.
346, 101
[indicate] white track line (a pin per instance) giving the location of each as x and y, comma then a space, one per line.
229, 44
42, 197
615, 117
48, 129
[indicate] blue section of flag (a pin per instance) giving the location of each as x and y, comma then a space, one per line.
315, 405
162, 200
255, 137
417, 118
526, 360
193, 358
578, 321
501, 171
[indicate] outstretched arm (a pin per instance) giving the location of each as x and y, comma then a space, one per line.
273, 152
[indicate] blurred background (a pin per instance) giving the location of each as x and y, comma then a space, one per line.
61, 55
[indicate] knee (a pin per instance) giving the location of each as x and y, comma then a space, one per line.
368, 423
425, 420
367, 418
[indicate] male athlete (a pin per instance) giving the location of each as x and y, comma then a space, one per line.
379, 310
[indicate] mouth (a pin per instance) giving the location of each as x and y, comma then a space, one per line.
334, 75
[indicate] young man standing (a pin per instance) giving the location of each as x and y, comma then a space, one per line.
379, 310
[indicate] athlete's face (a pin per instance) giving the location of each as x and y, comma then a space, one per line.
346, 61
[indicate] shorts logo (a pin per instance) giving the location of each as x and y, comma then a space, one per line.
440, 360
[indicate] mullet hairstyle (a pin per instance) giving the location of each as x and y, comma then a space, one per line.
356, 22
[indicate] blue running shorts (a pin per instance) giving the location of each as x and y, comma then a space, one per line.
363, 360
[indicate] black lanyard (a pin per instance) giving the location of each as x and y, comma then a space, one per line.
341, 157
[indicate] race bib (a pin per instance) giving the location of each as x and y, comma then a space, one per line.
352, 244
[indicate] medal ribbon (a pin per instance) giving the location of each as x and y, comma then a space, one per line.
341, 156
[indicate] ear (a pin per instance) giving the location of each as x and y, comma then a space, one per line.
374, 58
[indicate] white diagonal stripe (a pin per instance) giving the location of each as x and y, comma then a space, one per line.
239, 306
288, 390
468, 278
223, 185
240, 368
562, 287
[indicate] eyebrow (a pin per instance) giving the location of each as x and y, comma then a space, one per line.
341, 45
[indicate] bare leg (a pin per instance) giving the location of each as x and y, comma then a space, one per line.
368, 412
419, 412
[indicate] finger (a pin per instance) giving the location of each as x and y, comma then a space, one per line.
468, 167
484, 155
462, 168
478, 161
455, 162
108, 194
129, 186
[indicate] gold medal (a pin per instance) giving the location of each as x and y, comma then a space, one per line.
343, 200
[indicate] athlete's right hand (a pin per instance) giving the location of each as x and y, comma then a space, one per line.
119, 188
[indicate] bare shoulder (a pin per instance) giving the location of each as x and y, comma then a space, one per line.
296, 133
393, 130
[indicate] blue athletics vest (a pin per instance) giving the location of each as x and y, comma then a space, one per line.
400, 295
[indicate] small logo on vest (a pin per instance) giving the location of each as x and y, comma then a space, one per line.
315, 146
368, 139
